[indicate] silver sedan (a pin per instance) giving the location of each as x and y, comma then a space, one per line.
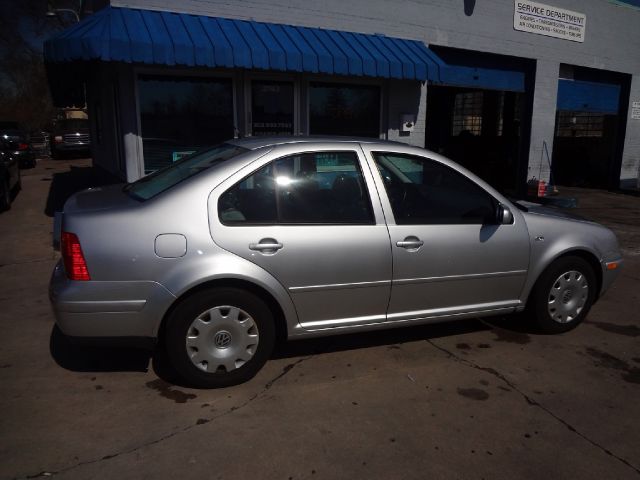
215, 256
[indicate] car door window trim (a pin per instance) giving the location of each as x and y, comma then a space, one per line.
366, 194
375, 156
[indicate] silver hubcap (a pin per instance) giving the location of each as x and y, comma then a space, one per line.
222, 339
568, 296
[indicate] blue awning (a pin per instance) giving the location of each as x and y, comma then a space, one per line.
164, 38
581, 96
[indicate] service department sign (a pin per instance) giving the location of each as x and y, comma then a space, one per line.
551, 21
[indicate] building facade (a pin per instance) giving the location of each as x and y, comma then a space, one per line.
516, 91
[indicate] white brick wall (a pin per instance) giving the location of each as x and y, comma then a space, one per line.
630, 170
407, 98
543, 119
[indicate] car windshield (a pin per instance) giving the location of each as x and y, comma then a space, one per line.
73, 124
163, 179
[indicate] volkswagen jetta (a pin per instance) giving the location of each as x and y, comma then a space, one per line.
214, 254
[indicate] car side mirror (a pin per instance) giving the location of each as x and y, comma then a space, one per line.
503, 215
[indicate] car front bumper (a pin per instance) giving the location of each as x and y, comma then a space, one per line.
107, 309
609, 274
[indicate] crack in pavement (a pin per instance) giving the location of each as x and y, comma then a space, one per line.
532, 402
200, 421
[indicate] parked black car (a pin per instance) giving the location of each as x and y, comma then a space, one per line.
40, 143
10, 182
70, 136
18, 144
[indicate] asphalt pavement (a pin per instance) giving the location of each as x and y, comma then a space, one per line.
471, 399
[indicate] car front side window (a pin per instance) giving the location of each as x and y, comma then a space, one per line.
423, 191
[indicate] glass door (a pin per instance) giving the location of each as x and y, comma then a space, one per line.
272, 108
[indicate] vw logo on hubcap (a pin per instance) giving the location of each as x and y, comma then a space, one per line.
222, 339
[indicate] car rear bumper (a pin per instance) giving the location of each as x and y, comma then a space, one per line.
107, 309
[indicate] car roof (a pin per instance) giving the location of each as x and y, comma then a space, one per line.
253, 143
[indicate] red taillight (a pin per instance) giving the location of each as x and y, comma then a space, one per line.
74, 262
23, 146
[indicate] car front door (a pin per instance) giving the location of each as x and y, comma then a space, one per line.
450, 255
309, 220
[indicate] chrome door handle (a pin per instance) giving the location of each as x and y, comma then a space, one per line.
410, 243
266, 245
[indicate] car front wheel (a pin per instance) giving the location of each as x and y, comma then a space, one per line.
219, 337
563, 295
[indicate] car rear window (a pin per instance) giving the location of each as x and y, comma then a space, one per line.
163, 179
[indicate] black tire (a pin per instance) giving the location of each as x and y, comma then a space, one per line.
179, 323
5, 195
538, 305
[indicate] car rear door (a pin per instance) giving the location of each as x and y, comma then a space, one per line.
450, 256
310, 216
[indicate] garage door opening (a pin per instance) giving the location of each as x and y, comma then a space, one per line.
480, 129
590, 126
479, 115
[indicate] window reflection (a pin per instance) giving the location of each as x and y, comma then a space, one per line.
179, 115
341, 109
309, 188
272, 108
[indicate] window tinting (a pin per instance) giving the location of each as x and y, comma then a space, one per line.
72, 124
422, 191
342, 109
309, 188
179, 115
271, 108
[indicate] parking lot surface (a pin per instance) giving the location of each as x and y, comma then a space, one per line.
471, 399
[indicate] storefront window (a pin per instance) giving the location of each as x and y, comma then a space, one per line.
467, 114
579, 124
341, 109
179, 115
271, 108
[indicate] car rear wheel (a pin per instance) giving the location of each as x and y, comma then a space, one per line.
563, 295
219, 337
